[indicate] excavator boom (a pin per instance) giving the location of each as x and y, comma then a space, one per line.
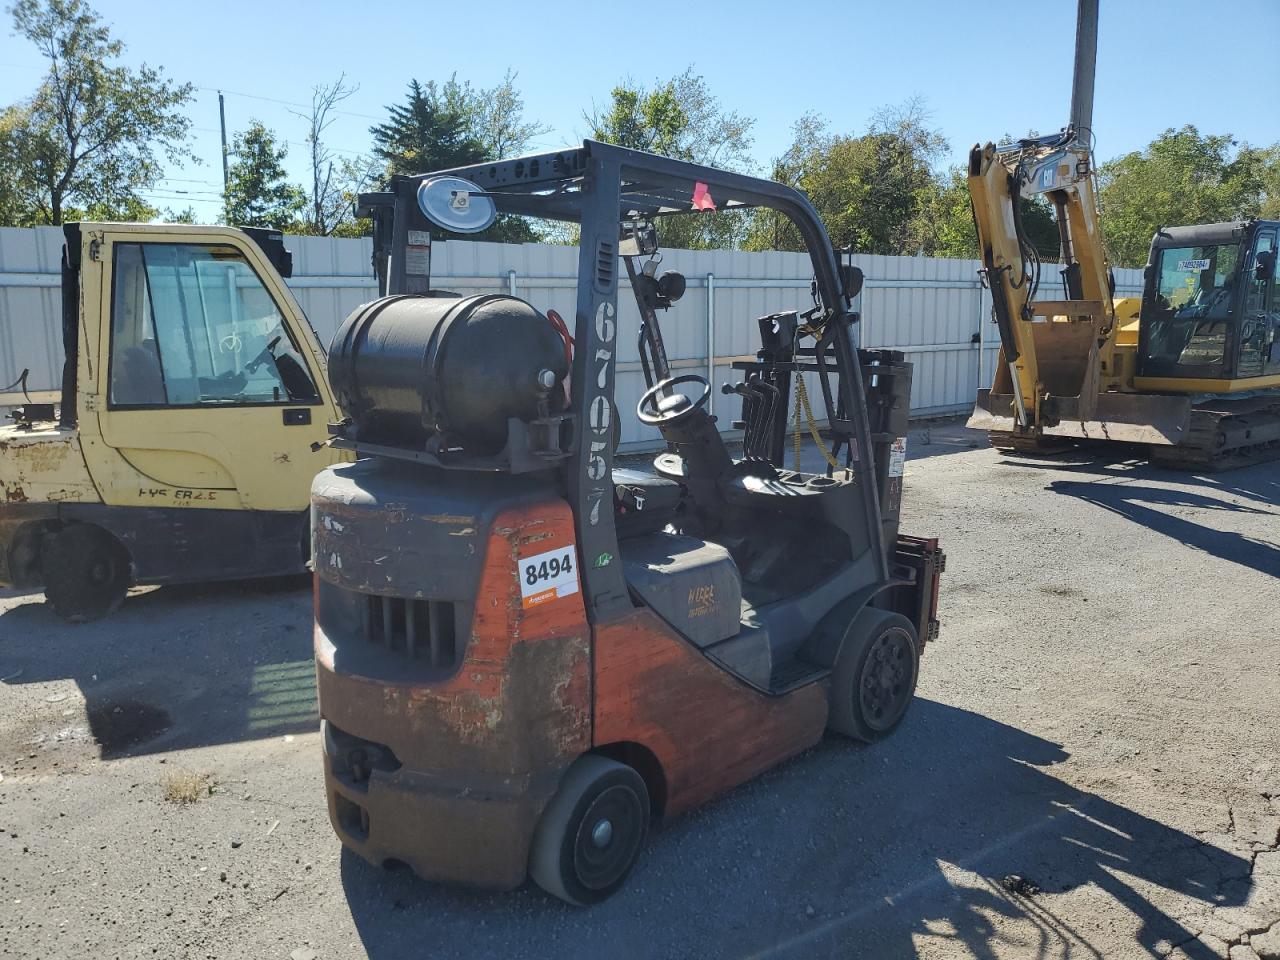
1061, 368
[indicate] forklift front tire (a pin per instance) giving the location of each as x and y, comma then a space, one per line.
875, 675
591, 832
86, 572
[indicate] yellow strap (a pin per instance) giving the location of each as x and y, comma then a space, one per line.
802, 400
795, 433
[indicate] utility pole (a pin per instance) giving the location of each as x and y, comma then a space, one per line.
1085, 68
222, 119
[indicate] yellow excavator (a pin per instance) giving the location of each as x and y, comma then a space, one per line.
193, 394
1190, 371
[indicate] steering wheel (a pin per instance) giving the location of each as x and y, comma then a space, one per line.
659, 407
230, 343
268, 353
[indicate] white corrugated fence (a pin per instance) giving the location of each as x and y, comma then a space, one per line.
934, 309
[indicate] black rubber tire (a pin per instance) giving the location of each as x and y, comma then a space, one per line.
593, 790
875, 674
86, 572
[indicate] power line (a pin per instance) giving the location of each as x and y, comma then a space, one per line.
292, 143
201, 195
290, 103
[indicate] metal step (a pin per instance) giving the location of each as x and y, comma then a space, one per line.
794, 673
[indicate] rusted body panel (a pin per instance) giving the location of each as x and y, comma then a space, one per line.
475, 754
42, 468
43, 464
654, 688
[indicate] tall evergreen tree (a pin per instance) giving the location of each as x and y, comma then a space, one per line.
430, 130
454, 125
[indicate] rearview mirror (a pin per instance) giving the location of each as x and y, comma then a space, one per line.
851, 280
1265, 268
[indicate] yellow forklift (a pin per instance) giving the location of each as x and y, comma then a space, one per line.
193, 392
1190, 372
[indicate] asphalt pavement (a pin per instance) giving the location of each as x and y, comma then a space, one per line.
1091, 767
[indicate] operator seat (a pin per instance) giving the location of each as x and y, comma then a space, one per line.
644, 502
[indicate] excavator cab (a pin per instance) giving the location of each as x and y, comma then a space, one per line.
1209, 309
526, 651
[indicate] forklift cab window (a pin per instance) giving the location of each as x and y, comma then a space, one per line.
1195, 289
193, 325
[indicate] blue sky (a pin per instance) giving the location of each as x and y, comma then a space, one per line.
1161, 63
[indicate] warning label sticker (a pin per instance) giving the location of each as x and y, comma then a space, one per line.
548, 576
417, 260
898, 457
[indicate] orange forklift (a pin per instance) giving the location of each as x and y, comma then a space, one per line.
527, 654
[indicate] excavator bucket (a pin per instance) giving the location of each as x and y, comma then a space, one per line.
1072, 407
993, 413
1123, 417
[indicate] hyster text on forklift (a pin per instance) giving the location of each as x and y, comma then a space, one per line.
193, 392
524, 654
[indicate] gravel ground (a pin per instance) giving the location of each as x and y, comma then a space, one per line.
1101, 717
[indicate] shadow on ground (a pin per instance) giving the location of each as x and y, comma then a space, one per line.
951, 787
182, 666
1132, 489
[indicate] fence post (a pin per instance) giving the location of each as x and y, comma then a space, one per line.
511, 282
711, 341
982, 339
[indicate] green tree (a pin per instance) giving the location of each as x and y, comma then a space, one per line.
950, 216
1259, 168
259, 193
19, 148
92, 135
681, 118
454, 125
650, 120
431, 130
187, 215
1181, 177
497, 120
876, 192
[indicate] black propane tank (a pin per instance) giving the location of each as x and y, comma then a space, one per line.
407, 368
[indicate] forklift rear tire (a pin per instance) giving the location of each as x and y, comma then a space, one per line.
86, 572
591, 832
875, 675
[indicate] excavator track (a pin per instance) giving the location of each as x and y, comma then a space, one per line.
1225, 435
1036, 446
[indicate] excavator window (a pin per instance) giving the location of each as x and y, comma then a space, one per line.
1195, 297
193, 325
1260, 337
